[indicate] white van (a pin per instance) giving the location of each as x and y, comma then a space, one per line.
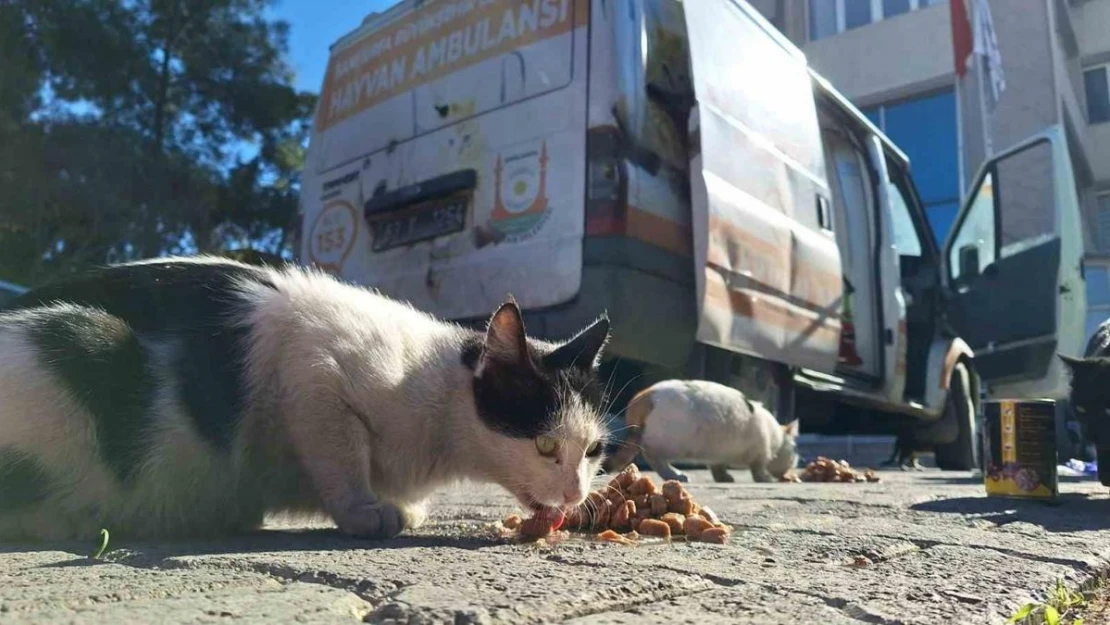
679, 165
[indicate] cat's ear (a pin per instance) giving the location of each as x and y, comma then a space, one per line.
791, 429
1074, 365
505, 339
582, 351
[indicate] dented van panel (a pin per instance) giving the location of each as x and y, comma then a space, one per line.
768, 268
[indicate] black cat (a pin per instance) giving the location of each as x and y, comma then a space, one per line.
1090, 395
906, 448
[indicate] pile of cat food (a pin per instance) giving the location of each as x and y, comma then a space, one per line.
630, 507
826, 470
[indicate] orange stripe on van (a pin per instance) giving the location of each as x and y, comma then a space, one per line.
767, 309
660, 232
645, 226
400, 58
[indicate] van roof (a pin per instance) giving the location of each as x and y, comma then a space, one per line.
372, 22
378, 19
828, 90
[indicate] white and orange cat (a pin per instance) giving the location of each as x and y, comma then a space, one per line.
707, 422
186, 397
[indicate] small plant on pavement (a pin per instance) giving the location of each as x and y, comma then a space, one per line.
103, 545
1061, 608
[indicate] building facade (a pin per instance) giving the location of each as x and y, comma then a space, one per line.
894, 60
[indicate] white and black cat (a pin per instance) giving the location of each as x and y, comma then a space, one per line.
709, 422
193, 396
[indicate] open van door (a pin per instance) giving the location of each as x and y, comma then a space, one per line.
1013, 264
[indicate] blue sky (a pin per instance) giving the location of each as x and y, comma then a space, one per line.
315, 25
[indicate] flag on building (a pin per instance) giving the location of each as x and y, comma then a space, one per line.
961, 36
986, 47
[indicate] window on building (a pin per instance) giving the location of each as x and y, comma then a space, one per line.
830, 17
925, 129
1097, 85
1104, 222
895, 7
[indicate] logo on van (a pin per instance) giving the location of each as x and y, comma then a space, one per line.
332, 236
520, 206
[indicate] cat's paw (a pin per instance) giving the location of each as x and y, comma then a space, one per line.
721, 474
762, 477
415, 514
374, 520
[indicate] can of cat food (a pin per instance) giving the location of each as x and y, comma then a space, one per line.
1021, 449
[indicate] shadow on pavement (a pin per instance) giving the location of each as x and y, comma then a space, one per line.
151, 553
1073, 512
941, 478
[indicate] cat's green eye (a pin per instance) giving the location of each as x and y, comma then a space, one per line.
546, 445
594, 449
1081, 410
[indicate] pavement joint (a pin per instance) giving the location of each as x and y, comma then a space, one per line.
924, 544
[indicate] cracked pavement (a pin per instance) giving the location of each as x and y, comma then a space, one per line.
914, 548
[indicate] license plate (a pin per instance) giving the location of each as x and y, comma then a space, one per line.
419, 223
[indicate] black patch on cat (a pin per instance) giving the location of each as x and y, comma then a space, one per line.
191, 304
102, 365
523, 400
23, 480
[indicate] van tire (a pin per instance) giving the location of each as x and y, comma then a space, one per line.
960, 454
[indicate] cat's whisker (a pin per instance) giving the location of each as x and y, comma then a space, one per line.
618, 393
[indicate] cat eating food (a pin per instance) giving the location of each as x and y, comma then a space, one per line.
186, 397
697, 419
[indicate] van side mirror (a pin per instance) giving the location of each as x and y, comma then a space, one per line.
969, 261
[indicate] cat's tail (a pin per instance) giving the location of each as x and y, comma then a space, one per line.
635, 417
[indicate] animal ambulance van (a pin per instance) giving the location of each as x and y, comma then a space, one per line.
679, 165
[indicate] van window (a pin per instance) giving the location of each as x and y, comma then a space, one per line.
906, 239
977, 230
857, 201
1025, 193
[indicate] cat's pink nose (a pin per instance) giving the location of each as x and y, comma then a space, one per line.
571, 497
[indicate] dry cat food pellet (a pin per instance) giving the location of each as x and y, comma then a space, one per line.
612, 537
694, 526
676, 521
621, 518
658, 505
642, 486
654, 527
714, 535
629, 506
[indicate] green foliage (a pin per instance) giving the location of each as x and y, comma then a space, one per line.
1061, 608
103, 545
123, 129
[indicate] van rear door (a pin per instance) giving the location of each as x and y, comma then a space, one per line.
768, 268
446, 165
1014, 269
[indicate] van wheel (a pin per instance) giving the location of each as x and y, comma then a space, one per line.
960, 454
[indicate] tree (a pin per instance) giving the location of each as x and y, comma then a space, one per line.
144, 127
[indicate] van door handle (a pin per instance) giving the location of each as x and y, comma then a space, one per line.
1065, 289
